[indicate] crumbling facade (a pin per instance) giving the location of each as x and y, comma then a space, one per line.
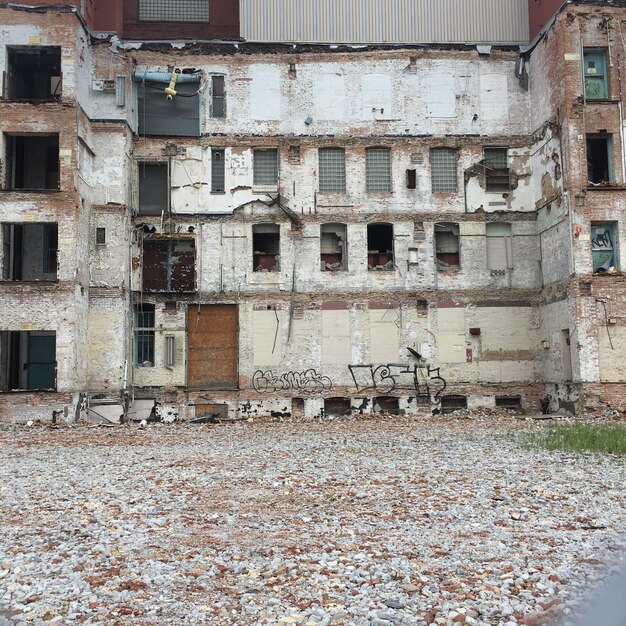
248, 229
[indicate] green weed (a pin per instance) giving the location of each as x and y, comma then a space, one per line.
581, 437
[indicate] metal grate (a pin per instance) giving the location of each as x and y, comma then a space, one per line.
174, 10
378, 169
266, 168
144, 334
217, 171
332, 170
443, 169
496, 158
218, 97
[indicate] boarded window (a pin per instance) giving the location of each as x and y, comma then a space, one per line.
494, 100
333, 247
174, 10
34, 73
153, 188
178, 117
332, 170
144, 335
441, 95
218, 97
451, 335
32, 162
336, 337
384, 336
29, 251
27, 360
376, 90
599, 159
596, 84
265, 169
378, 170
497, 173
447, 246
169, 265
218, 171
266, 247
499, 248
380, 247
603, 246
443, 170
267, 340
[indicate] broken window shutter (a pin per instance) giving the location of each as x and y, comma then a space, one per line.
497, 253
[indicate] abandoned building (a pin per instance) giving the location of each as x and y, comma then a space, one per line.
212, 211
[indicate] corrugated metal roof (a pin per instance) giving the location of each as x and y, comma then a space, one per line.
385, 21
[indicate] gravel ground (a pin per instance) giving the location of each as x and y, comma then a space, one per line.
379, 523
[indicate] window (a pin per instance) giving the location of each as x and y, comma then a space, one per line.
596, 85
332, 170
29, 251
333, 243
174, 10
265, 168
144, 335
497, 174
378, 170
169, 265
27, 360
217, 171
443, 166
34, 73
101, 236
447, 246
266, 247
32, 162
603, 246
599, 159
380, 247
153, 188
158, 116
218, 97
499, 249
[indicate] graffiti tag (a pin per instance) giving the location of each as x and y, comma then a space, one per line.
308, 381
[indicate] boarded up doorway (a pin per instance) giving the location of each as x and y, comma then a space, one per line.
212, 331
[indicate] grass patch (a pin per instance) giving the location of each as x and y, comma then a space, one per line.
581, 437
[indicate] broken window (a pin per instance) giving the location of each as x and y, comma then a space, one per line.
174, 10
218, 171
332, 170
443, 170
380, 247
497, 173
378, 169
29, 251
604, 247
34, 73
499, 247
218, 97
599, 159
596, 84
333, 243
169, 265
144, 335
447, 246
32, 162
265, 166
177, 115
153, 188
27, 360
266, 247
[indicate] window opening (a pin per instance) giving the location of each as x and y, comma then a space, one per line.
174, 10
499, 248
333, 243
144, 335
101, 236
380, 247
378, 169
411, 179
337, 407
596, 84
387, 404
599, 161
603, 247
265, 168
27, 360
34, 73
513, 403
447, 246
443, 170
218, 97
218, 171
266, 247
153, 188
170, 354
29, 251
450, 404
332, 170
497, 172
169, 265
32, 162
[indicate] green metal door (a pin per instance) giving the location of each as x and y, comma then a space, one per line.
41, 361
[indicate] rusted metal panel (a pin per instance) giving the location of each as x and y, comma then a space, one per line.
385, 21
212, 339
169, 265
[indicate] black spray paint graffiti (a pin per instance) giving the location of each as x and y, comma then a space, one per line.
308, 381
